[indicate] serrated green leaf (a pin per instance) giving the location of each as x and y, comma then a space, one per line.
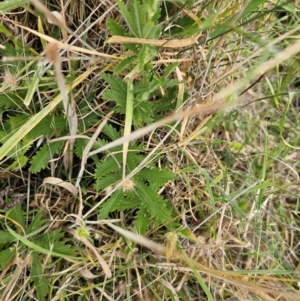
44, 128
155, 205
111, 132
19, 162
116, 84
35, 119
150, 31
142, 220
133, 16
156, 177
115, 96
124, 64
106, 166
53, 240
43, 155
63, 248
17, 215
128, 201
5, 237
17, 121
142, 18
111, 204
115, 28
41, 249
105, 182
11, 101
134, 159
40, 281
37, 222
80, 145
5, 256
142, 115
118, 30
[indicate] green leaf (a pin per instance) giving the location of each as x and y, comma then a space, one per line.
5, 256
115, 96
105, 182
115, 28
146, 55
5, 238
142, 115
124, 64
142, 220
111, 132
9, 5
19, 162
170, 68
157, 177
11, 101
134, 159
80, 145
16, 214
43, 155
40, 281
17, 121
44, 128
111, 204
37, 222
133, 16
53, 241
108, 165
155, 205
116, 83
142, 18
117, 91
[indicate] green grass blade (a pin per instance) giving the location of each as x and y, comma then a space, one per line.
9, 5
33, 86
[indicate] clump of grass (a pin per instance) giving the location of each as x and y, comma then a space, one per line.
178, 122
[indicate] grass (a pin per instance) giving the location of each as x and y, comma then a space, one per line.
149, 150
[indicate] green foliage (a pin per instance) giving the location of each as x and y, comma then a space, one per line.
7, 6
39, 277
41, 159
6, 255
148, 100
37, 234
142, 197
142, 18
